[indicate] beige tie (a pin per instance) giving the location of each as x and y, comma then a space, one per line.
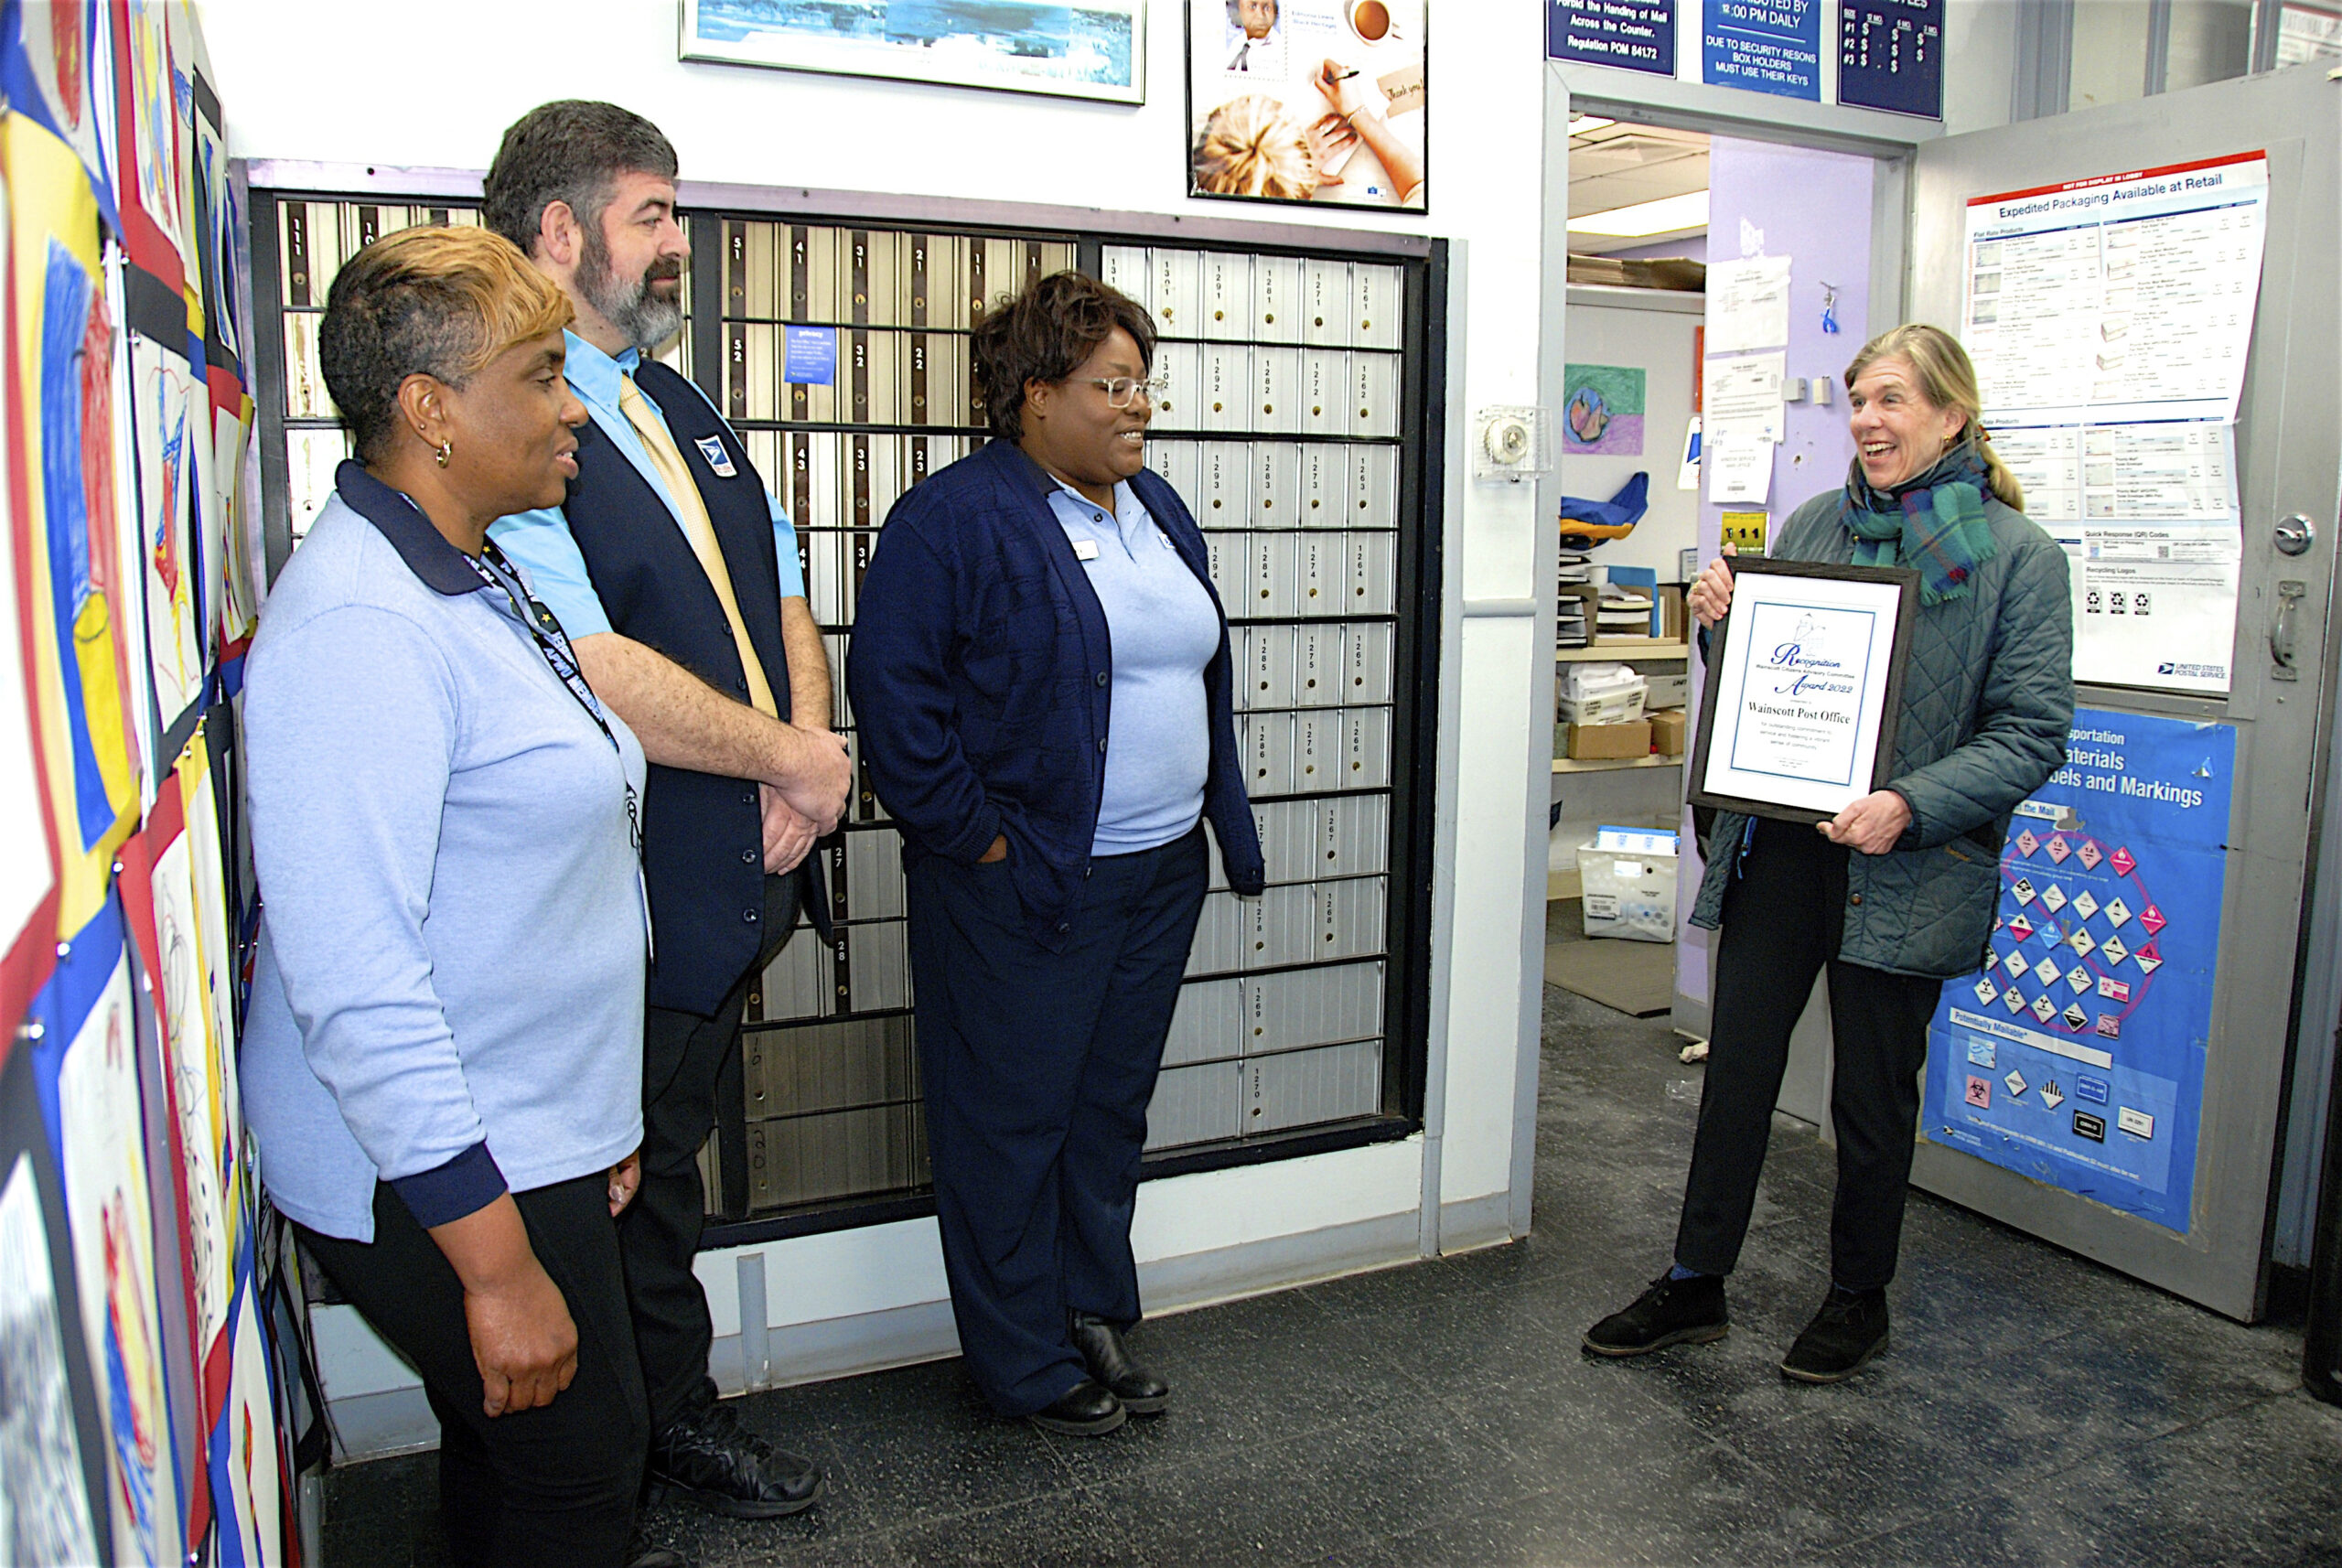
691, 513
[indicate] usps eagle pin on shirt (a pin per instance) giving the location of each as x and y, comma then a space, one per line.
717, 457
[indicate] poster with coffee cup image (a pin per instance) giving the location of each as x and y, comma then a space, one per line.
1316, 100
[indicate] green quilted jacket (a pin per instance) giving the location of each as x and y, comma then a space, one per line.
1988, 697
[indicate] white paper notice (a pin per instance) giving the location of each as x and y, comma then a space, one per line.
1740, 399
2165, 624
1748, 304
1687, 477
1740, 471
2118, 299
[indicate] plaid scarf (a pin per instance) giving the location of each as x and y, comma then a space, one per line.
1934, 524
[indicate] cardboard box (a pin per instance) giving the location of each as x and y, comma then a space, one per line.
1666, 691
1606, 742
1609, 707
1667, 728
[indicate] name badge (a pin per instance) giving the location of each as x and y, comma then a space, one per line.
710, 448
1085, 549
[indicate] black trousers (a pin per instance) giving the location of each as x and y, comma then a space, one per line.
556, 1484
1036, 1069
684, 1054
1782, 919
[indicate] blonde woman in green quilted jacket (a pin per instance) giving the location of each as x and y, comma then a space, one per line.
1896, 895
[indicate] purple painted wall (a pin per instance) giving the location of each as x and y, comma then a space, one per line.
1815, 209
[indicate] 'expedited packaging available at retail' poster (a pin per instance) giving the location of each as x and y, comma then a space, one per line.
2077, 1057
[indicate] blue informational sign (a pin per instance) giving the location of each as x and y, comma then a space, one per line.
1765, 45
2077, 1057
1890, 56
810, 356
1635, 35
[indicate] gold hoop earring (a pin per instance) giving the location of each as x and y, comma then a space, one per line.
447, 450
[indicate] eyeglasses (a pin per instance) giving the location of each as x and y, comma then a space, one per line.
1123, 388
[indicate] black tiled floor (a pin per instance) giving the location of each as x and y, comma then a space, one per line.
2034, 1409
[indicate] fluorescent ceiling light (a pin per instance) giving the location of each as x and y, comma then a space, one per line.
1581, 124
1663, 217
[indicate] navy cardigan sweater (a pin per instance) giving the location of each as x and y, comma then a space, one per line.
980, 671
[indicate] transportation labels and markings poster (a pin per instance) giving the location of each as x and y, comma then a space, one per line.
2110, 320
1634, 34
1764, 46
2076, 1057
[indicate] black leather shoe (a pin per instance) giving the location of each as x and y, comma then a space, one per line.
1101, 1344
1085, 1410
711, 1459
1846, 1336
655, 1557
1673, 1312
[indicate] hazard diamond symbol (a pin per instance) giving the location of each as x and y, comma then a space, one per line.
2122, 861
2117, 911
2112, 950
2087, 905
2059, 848
2013, 999
2075, 1018
2150, 960
1986, 992
2026, 843
2152, 917
2045, 972
2024, 891
2079, 978
2083, 942
2053, 897
2092, 854
2019, 927
2044, 1009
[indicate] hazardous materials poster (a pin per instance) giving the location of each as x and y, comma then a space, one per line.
2075, 1055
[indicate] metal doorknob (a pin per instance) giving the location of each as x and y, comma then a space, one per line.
2295, 534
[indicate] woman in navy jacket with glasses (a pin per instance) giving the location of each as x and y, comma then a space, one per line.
1041, 677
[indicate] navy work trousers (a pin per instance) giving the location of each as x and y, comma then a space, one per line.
1036, 1069
1782, 918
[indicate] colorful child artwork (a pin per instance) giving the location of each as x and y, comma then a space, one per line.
212, 923
153, 124
1603, 410
82, 603
28, 870
44, 1509
246, 1454
59, 71
100, 1133
168, 414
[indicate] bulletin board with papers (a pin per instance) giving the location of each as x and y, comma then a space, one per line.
2110, 321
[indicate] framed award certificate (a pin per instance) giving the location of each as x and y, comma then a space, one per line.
1803, 689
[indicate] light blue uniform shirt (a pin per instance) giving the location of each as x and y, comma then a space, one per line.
1163, 634
539, 541
451, 951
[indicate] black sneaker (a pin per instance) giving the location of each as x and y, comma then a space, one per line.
1843, 1338
1673, 1312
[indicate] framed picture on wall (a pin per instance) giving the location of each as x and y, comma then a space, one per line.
1316, 100
1090, 48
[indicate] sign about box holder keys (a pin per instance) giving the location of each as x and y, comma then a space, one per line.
2075, 1055
1633, 35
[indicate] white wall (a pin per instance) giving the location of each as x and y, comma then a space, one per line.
433, 84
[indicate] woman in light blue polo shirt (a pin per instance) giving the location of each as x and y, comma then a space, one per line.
443, 1062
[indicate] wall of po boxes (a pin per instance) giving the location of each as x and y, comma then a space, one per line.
842, 354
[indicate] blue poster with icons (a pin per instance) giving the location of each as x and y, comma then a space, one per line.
1764, 46
2076, 1057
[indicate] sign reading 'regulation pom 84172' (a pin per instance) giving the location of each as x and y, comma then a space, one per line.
1634, 34
2075, 1055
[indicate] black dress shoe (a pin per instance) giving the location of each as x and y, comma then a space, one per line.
1101, 1344
655, 1557
1673, 1312
711, 1459
1085, 1410
1845, 1337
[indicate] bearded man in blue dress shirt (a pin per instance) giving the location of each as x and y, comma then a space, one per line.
677, 577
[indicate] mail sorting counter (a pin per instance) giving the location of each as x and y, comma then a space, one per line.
841, 353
